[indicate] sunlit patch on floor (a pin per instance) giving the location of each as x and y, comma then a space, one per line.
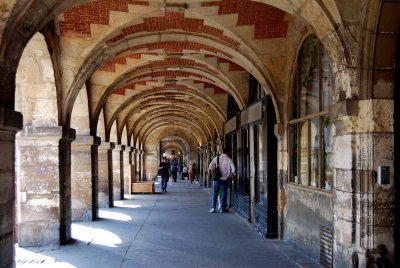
91, 235
114, 215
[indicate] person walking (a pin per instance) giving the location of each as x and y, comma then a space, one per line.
227, 169
192, 172
164, 169
174, 169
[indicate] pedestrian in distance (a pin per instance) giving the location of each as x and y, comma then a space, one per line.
185, 172
192, 172
174, 169
227, 171
164, 169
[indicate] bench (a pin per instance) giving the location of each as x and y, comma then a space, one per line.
143, 187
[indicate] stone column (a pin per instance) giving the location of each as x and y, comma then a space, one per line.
140, 165
281, 133
95, 178
116, 170
103, 175
132, 160
45, 185
10, 123
142, 177
127, 170
83, 179
68, 135
364, 206
137, 164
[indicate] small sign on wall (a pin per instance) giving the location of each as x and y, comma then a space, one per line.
384, 175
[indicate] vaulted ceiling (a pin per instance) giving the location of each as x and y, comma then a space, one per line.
157, 64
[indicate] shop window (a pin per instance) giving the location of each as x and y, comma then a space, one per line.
259, 147
232, 108
311, 132
244, 183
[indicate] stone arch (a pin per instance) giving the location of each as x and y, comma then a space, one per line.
165, 109
173, 145
38, 177
184, 124
80, 120
83, 194
100, 126
36, 94
118, 83
124, 136
152, 143
148, 94
324, 23
113, 136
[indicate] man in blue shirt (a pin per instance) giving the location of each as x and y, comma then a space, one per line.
174, 169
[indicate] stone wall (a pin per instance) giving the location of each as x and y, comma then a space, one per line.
103, 180
39, 186
308, 210
116, 170
82, 178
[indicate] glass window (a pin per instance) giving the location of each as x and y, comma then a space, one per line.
311, 132
256, 90
260, 163
244, 183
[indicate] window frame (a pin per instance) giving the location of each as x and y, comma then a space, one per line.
321, 116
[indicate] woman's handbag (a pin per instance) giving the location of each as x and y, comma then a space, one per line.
216, 174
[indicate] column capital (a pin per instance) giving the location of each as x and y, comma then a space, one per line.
105, 146
68, 134
87, 140
10, 120
118, 147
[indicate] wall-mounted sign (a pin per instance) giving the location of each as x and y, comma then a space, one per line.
251, 114
230, 125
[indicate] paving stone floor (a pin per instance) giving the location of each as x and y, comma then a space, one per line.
173, 229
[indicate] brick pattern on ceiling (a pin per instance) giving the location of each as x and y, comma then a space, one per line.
172, 62
78, 19
268, 20
110, 66
217, 90
169, 74
174, 21
186, 88
121, 91
232, 66
176, 47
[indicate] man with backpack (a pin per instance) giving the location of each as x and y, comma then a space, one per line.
227, 169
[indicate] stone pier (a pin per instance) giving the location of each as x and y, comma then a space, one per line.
10, 123
82, 179
127, 170
116, 170
44, 185
103, 175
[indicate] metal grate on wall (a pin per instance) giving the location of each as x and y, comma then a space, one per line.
326, 247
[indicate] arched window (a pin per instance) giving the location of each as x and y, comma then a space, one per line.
311, 132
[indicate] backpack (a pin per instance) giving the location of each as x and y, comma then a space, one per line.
216, 172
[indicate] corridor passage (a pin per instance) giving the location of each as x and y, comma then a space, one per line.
173, 229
